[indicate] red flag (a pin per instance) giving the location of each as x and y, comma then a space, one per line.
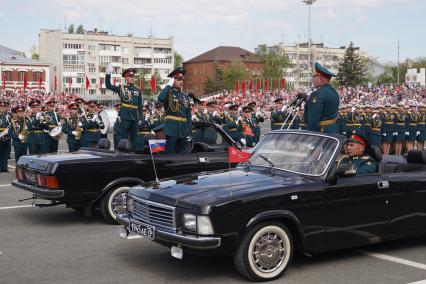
69, 84
56, 83
266, 84
141, 83
114, 81
25, 81
39, 82
251, 85
236, 86
153, 83
283, 83
243, 87
258, 84
87, 83
4, 81
100, 84
237, 156
274, 82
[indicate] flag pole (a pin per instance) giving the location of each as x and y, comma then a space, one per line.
153, 164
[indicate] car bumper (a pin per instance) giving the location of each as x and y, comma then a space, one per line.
191, 241
42, 192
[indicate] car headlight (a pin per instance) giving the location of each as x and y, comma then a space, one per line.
200, 224
129, 204
190, 221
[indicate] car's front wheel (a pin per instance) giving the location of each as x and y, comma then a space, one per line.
114, 203
264, 252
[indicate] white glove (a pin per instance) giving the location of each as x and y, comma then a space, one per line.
59, 123
205, 111
109, 69
95, 118
375, 115
194, 117
38, 115
80, 124
215, 113
21, 137
171, 82
407, 133
259, 114
139, 122
353, 109
417, 133
74, 133
395, 134
384, 134
284, 108
243, 141
344, 132
147, 116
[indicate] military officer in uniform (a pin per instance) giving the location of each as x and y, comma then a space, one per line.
99, 108
158, 115
376, 129
5, 146
248, 126
73, 128
411, 128
323, 104
213, 116
388, 129
233, 124
355, 149
277, 116
53, 120
90, 124
38, 127
421, 127
117, 126
400, 128
144, 130
19, 132
178, 119
131, 102
256, 117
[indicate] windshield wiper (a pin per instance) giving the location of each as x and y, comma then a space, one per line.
270, 163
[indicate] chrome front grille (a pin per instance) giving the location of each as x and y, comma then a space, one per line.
155, 214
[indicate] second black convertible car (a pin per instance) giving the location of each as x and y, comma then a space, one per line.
99, 177
296, 192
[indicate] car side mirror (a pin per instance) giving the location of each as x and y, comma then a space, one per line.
345, 170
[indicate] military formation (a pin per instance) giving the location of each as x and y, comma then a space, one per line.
180, 118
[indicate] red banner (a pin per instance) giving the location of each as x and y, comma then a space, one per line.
258, 82
266, 85
114, 81
251, 85
87, 83
4, 81
141, 83
69, 84
39, 82
243, 87
237, 86
153, 83
25, 81
100, 84
56, 83
282, 83
237, 156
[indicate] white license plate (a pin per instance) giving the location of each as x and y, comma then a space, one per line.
144, 230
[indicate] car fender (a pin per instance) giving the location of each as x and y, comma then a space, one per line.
281, 215
118, 182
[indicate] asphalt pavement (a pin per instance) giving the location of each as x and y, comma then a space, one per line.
60, 245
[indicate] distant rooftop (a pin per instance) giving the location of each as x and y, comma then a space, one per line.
225, 54
8, 55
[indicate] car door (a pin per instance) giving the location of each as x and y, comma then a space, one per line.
356, 210
407, 203
168, 165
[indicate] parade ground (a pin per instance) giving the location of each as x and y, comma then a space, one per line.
60, 245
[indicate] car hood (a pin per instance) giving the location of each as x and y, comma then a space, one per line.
42, 162
215, 187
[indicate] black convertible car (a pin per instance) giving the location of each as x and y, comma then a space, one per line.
297, 191
99, 177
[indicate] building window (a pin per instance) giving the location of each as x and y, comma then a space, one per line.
104, 60
125, 60
73, 59
163, 60
92, 69
92, 47
92, 92
73, 46
7, 75
36, 76
142, 60
163, 50
80, 79
21, 75
116, 59
105, 47
145, 50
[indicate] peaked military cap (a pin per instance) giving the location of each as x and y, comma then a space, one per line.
34, 103
360, 138
73, 106
321, 70
79, 101
210, 103
234, 106
278, 100
177, 72
129, 71
4, 103
247, 109
252, 104
18, 109
50, 102
91, 103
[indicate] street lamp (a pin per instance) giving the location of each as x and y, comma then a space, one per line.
309, 3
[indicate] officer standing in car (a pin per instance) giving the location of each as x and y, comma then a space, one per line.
323, 104
178, 119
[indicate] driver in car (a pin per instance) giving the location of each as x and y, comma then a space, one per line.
356, 150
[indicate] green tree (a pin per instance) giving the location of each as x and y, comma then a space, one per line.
235, 71
178, 59
216, 83
71, 29
274, 62
35, 56
80, 29
352, 70
387, 76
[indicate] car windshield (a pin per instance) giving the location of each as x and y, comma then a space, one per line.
308, 154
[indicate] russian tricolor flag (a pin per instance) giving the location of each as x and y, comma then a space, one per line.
158, 145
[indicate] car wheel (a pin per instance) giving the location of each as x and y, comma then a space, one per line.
264, 252
114, 203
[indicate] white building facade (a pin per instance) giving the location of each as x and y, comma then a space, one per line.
415, 76
76, 57
299, 72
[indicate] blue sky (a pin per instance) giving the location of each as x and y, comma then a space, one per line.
200, 25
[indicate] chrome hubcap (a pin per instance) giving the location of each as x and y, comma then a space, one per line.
269, 252
118, 204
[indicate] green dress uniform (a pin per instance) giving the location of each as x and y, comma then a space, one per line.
210, 134
277, 120
37, 140
388, 123
72, 124
19, 127
157, 120
366, 125
375, 137
144, 133
302, 124
364, 164
248, 122
5, 145
421, 127
256, 123
233, 127
177, 120
131, 106
400, 126
412, 120
91, 133
53, 120
197, 133
117, 132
